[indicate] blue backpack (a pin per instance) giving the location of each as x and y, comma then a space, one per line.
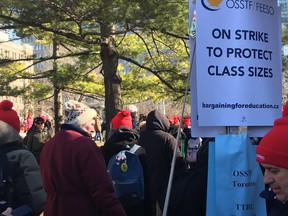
127, 177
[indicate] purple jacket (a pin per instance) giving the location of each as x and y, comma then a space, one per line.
75, 177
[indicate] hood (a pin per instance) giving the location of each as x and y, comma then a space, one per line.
121, 139
157, 121
8, 134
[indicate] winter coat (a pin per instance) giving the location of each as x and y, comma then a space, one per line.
159, 146
75, 177
189, 187
24, 171
123, 139
36, 138
274, 206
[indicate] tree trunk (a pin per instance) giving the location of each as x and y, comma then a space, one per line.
57, 92
112, 80
58, 108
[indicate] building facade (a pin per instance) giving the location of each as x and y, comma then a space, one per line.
13, 50
40, 50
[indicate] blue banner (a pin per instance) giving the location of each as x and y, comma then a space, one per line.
235, 179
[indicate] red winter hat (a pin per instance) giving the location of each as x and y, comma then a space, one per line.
273, 148
8, 115
176, 120
187, 121
122, 118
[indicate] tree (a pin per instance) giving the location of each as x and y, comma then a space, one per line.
7, 76
107, 27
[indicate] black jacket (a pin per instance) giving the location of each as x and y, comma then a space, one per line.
274, 206
23, 169
159, 147
122, 139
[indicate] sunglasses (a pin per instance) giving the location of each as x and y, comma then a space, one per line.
39, 123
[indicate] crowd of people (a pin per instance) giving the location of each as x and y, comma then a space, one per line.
66, 173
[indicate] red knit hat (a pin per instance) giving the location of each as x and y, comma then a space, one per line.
122, 118
8, 115
187, 121
273, 148
176, 120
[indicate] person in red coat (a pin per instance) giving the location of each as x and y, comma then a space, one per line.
74, 171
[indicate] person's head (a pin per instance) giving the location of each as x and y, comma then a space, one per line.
176, 120
272, 154
8, 115
156, 120
39, 122
8, 134
186, 122
121, 119
132, 109
78, 114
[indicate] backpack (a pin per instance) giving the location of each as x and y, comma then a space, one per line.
126, 173
6, 186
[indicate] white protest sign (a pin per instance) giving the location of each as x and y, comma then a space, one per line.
196, 130
238, 62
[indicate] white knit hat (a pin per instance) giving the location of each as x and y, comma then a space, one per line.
132, 108
77, 113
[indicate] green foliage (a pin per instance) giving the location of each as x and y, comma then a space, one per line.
8, 76
159, 55
37, 90
137, 87
150, 38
